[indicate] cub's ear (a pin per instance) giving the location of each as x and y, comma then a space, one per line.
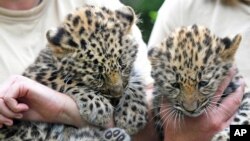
55, 36
126, 15
154, 54
230, 47
59, 42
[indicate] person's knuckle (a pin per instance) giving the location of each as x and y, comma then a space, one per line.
220, 90
2, 119
215, 125
14, 109
17, 78
19, 82
236, 101
1, 103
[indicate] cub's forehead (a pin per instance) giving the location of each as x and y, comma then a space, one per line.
90, 15
192, 41
193, 33
92, 11
191, 47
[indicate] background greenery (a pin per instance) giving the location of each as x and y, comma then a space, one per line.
147, 11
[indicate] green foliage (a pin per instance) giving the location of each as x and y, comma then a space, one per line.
152, 15
147, 11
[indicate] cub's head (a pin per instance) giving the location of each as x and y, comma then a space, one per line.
189, 65
95, 46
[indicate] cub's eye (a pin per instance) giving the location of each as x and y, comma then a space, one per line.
122, 64
202, 83
98, 76
176, 85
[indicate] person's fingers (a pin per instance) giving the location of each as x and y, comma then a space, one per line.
231, 103
17, 89
5, 111
14, 105
224, 85
14, 87
6, 121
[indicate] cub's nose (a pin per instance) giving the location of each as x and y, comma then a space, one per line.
190, 106
116, 91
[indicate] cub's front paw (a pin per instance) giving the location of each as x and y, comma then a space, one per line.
97, 111
132, 119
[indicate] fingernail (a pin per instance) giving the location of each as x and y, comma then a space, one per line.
9, 123
19, 116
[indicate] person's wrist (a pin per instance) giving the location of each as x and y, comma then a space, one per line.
69, 113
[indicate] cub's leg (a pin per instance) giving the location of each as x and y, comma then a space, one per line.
131, 113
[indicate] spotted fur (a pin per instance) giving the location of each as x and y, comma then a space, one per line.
188, 67
90, 57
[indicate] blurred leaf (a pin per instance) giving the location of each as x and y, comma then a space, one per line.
153, 15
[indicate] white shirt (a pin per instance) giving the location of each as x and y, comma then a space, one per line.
223, 20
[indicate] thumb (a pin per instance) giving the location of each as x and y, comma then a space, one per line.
232, 102
224, 85
14, 105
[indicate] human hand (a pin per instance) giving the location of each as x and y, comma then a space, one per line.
205, 126
7, 114
22, 98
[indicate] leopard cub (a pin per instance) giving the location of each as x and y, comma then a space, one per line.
188, 66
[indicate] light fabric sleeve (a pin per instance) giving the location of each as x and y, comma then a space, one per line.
169, 16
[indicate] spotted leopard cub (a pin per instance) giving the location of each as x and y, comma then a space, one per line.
188, 67
90, 57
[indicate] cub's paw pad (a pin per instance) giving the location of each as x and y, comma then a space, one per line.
115, 134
